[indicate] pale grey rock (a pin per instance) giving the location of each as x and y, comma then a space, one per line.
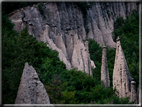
92, 64
80, 56
104, 69
63, 56
66, 32
31, 90
101, 18
88, 58
122, 80
133, 96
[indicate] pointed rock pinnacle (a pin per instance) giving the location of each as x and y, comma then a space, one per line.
31, 90
121, 75
104, 69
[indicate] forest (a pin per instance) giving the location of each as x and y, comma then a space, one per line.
66, 86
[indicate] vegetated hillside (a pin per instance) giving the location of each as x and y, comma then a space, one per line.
63, 86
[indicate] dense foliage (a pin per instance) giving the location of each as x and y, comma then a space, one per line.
128, 31
63, 86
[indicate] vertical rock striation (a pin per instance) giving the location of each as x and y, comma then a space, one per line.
101, 17
139, 99
104, 69
31, 90
133, 96
62, 26
88, 58
122, 80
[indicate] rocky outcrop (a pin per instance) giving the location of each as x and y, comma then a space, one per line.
31, 90
101, 17
133, 96
122, 80
139, 99
62, 26
104, 69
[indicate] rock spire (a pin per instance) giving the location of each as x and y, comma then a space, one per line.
133, 96
104, 69
89, 60
31, 90
62, 27
121, 76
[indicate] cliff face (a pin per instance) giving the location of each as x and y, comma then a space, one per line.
101, 18
62, 26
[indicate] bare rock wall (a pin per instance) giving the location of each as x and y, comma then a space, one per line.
62, 26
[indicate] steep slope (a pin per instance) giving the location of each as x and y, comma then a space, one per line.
62, 26
101, 17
